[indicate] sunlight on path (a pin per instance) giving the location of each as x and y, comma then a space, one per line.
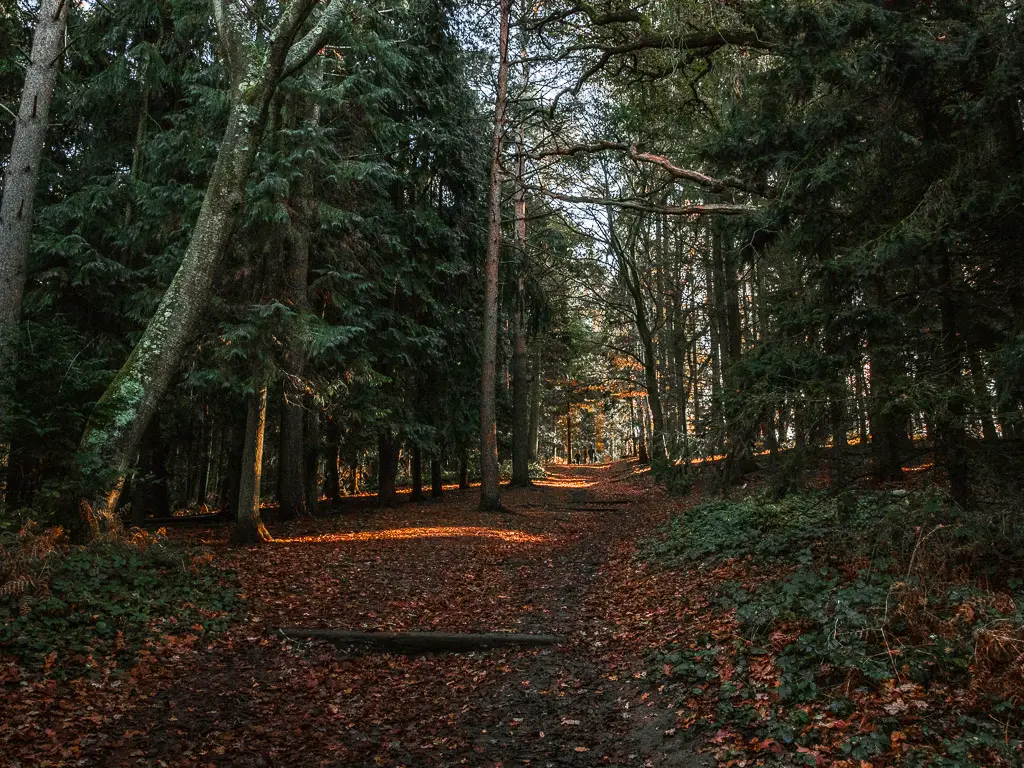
515, 537
563, 482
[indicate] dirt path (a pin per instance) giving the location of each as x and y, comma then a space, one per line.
562, 563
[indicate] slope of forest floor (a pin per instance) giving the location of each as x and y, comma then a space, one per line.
658, 668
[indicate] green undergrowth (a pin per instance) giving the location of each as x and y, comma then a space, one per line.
70, 609
884, 627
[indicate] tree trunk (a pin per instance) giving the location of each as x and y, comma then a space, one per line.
248, 528
629, 274
150, 495
436, 483
568, 431
291, 491
464, 469
520, 399
520, 356
739, 459
311, 457
417, 473
535, 395
332, 470
490, 498
112, 437
642, 455
387, 469
888, 418
202, 486
951, 418
234, 446
982, 397
353, 478
861, 398
291, 481
22, 178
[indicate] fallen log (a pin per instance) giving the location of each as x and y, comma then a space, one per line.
423, 642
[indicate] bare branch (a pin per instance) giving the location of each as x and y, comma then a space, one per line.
697, 209
715, 185
578, 149
675, 171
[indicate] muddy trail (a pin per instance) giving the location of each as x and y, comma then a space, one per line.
562, 561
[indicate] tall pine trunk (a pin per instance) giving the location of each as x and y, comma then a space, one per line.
520, 397
436, 482
490, 498
311, 457
22, 178
417, 473
464, 469
520, 355
353, 477
332, 464
248, 528
535, 395
292, 484
387, 469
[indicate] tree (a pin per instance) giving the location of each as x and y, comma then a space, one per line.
249, 528
255, 68
489, 495
22, 179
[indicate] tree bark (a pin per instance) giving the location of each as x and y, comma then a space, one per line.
520, 356
643, 456
291, 482
535, 395
234, 446
417, 473
568, 431
22, 178
291, 491
490, 498
150, 495
353, 478
311, 457
982, 397
888, 417
248, 528
332, 470
387, 469
464, 469
951, 417
520, 398
206, 456
631, 279
436, 483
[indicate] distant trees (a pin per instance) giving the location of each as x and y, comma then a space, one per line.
784, 229
810, 218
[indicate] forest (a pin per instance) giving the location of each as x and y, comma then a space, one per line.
579, 383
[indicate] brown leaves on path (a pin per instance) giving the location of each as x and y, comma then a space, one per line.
251, 698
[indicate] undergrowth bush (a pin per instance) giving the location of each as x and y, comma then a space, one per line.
882, 599
62, 607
